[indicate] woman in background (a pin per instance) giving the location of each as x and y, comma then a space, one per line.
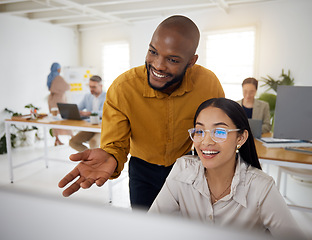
255, 108
224, 184
57, 87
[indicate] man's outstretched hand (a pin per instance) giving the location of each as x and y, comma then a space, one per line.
96, 166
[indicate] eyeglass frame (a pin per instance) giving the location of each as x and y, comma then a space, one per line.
211, 133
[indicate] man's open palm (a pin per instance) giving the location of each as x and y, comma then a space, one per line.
96, 166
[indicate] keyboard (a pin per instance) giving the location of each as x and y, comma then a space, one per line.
270, 142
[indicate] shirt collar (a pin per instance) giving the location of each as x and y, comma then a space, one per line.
186, 86
194, 174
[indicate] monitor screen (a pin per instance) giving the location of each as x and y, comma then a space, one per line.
293, 113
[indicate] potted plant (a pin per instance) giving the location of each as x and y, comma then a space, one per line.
3, 145
33, 111
94, 118
24, 135
272, 84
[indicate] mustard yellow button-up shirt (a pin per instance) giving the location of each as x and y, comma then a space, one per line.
149, 124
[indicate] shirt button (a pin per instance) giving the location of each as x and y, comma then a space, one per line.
211, 217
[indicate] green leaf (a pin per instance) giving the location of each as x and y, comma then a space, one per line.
271, 83
31, 106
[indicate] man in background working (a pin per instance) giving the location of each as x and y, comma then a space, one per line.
147, 112
91, 103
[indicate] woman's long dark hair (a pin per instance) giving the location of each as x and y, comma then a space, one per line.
237, 114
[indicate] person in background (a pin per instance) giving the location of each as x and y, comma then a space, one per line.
57, 87
224, 183
91, 103
255, 108
147, 112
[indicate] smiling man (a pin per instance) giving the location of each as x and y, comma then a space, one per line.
147, 113
171, 52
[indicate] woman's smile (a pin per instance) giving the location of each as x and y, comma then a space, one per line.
209, 154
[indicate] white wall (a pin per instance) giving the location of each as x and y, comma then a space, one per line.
283, 32
27, 50
92, 44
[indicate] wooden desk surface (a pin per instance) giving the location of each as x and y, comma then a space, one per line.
280, 154
63, 122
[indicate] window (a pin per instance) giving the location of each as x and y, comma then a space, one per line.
115, 60
231, 56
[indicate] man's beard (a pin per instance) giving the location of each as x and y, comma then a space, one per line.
178, 78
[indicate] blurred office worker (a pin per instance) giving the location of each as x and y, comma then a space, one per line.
57, 87
91, 103
255, 108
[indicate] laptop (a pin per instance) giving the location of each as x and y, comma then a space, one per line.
70, 111
256, 127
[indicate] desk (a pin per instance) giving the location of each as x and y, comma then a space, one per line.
284, 158
46, 123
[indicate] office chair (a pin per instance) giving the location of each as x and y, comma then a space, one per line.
299, 174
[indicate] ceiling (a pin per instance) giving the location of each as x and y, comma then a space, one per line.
88, 14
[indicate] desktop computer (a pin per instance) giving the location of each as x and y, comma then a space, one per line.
293, 113
293, 116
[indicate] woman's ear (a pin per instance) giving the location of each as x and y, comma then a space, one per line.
242, 138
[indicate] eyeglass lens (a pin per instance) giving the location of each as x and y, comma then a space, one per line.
218, 135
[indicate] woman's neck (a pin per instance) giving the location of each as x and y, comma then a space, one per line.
219, 181
248, 103
220, 176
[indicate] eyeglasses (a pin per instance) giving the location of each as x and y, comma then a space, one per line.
217, 134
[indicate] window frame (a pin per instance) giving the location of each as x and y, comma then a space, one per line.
254, 69
106, 82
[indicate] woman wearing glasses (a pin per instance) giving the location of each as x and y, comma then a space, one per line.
224, 184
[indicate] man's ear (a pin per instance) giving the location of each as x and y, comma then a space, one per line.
192, 61
243, 138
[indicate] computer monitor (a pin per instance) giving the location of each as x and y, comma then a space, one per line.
293, 113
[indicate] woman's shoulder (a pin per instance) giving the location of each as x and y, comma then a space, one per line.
58, 78
59, 84
261, 102
186, 169
188, 161
258, 177
188, 164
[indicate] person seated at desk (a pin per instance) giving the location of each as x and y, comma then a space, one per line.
92, 102
255, 108
224, 184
